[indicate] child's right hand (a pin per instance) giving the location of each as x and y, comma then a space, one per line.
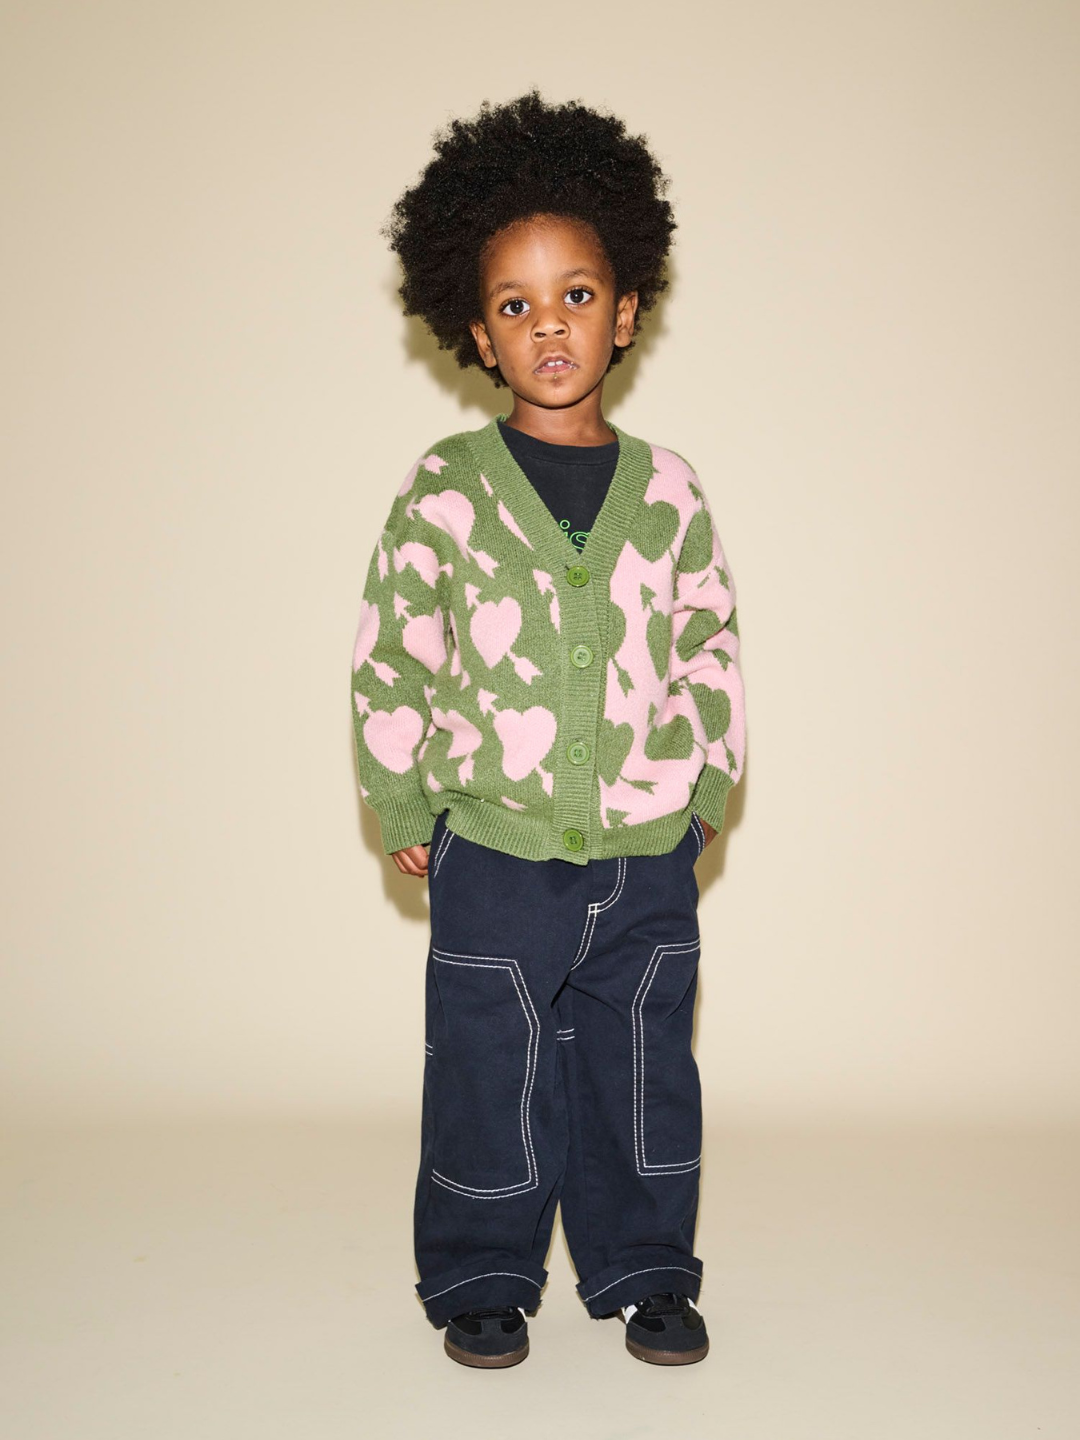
413, 860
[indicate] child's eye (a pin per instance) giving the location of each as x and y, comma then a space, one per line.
574, 290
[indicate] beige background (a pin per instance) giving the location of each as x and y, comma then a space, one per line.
870, 355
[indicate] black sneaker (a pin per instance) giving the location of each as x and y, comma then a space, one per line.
666, 1329
488, 1338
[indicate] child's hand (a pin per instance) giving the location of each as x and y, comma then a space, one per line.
412, 860
710, 833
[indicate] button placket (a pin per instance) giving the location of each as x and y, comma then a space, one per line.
580, 614
583, 582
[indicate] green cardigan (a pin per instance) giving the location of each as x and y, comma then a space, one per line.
556, 703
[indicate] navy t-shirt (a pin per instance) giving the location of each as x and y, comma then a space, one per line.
572, 480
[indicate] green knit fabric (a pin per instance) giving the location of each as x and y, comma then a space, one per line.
555, 702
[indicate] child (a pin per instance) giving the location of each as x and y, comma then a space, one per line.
549, 715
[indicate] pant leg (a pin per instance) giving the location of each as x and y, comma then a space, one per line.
630, 1195
504, 932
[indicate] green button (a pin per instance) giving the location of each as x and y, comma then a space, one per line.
573, 839
578, 752
581, 655
577, 575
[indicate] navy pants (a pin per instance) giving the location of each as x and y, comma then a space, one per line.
558, 1071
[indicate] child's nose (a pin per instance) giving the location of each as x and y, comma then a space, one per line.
548, 323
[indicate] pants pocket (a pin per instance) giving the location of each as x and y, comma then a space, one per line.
485, 1066
667, 1087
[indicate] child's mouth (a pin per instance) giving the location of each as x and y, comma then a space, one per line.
559, 367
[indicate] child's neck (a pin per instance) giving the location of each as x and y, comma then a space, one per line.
570, 426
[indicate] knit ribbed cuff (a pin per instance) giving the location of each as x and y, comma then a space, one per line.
404, 820
709, 796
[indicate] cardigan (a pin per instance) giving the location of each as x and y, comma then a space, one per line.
555, 703
572, 480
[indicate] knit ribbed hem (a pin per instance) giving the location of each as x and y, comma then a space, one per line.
516, 832
405, 820
709, 797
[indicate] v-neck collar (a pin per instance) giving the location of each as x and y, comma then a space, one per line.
633, 471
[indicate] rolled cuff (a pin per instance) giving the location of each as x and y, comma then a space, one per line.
494, 1278
653, 1271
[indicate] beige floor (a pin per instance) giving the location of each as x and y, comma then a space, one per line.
220, 1282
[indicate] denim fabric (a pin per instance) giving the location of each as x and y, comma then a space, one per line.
558, 1070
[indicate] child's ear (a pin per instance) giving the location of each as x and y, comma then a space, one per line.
624, 318
483, 344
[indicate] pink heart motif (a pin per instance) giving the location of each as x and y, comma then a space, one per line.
367, 633
494, 628
527, 736
423, 559
425, 640
393, 735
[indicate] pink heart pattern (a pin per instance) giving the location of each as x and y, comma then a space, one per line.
424, 639
527, 736
367, 633
393, 735
485, 734
494, 627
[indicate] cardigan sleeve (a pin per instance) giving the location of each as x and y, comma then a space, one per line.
400, 643
705, 659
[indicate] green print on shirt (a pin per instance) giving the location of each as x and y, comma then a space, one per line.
576, 537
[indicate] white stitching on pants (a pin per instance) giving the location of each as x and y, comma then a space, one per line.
647, 1271
594, 909
513, 969
516, 1274
604, 904
674, 1167
448, 835
699, 829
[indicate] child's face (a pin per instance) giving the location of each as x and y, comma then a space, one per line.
547, 287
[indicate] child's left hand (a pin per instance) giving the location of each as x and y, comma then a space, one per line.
412, 860
710, 833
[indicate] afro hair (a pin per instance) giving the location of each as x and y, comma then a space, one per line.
512, 161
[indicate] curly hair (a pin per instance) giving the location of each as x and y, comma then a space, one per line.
513, 161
